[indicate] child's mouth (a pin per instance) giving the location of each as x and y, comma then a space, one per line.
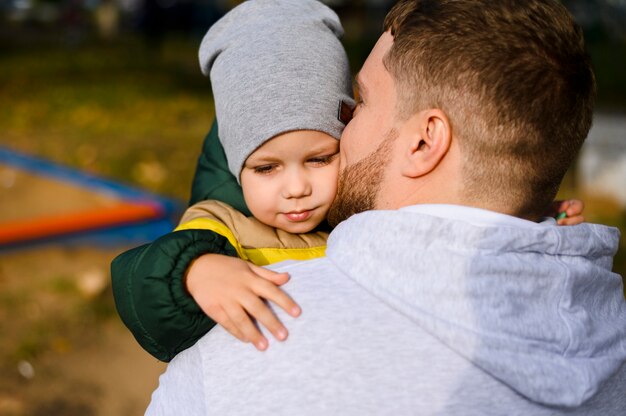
299, 216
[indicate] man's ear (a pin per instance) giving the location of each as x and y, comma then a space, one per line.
427, 137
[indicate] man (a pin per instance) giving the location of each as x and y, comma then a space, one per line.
449, 296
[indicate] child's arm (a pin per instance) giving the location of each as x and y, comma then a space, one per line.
231, 292
147, 281
568, 212
151, 298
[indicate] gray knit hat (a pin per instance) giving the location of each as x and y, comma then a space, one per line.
275, 66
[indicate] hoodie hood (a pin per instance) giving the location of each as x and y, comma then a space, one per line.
536, 307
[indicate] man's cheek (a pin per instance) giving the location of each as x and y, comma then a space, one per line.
342, 157
347, 150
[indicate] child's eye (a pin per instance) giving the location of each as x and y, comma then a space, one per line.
322, 160
264, 169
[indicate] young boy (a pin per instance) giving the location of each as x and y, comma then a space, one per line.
279, 77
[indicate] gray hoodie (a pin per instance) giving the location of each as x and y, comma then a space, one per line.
429, 310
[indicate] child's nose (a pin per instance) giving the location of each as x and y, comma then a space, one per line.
297, 184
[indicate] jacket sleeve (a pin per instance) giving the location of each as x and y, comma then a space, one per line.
150, 296
213, 179
147, 281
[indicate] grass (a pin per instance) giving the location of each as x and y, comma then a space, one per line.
118, 110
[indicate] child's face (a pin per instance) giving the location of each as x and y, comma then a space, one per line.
291, 180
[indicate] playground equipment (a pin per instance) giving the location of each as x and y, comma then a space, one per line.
42, 202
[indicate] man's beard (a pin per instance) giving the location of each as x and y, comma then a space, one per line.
359, 184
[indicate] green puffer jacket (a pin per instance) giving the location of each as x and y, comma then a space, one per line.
147, 280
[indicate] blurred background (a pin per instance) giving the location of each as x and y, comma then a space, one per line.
112, 89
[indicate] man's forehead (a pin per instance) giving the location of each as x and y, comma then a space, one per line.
374, 65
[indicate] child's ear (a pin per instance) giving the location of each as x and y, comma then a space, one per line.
427, 136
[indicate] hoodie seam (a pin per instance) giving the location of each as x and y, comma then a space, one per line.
567, 278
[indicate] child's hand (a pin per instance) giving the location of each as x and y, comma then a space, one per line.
568, 212
231, 292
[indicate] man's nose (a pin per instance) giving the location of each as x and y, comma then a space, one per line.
297, 184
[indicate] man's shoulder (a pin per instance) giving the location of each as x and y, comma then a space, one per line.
302, 266
317, 280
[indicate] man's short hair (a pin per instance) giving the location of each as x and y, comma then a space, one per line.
514, 79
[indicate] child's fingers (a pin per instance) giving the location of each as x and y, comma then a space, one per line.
274, 294
264, 315
578, 219
218, 314
571, 211
276, 278
242, 321
574, 208
229, 326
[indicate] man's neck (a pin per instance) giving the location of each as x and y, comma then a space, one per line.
474, 215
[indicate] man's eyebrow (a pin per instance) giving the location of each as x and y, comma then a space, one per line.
358, 86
